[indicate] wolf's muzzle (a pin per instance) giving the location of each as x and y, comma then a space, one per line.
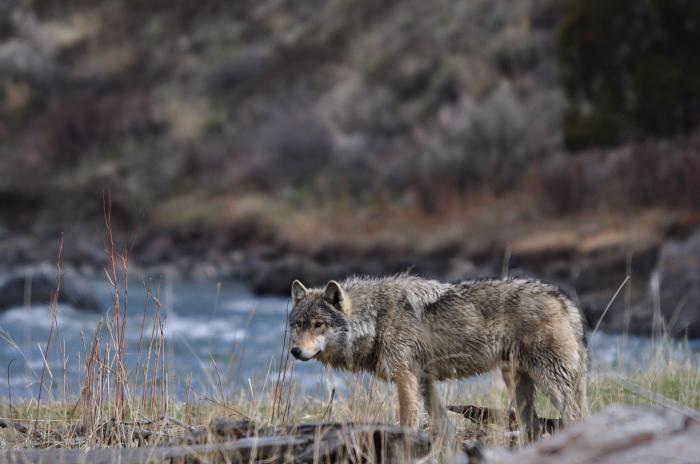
298, 353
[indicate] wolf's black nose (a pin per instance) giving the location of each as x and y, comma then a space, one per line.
296, 352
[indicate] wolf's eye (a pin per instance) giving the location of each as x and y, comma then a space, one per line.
318, 324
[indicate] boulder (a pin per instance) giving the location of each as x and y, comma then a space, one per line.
40, 283
628, 312
678, 276
618, 434
275, 276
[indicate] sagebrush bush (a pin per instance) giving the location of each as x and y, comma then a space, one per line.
489, 144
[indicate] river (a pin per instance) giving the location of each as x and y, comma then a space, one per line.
218, 334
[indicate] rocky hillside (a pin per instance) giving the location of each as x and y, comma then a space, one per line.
334, 99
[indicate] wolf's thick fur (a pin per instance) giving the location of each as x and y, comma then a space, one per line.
414, 331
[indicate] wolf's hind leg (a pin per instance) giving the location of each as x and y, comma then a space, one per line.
525, 406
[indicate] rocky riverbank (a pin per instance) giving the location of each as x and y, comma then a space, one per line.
651, 290
647, 279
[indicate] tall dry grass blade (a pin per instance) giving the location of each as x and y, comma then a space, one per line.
278, 387
54, 321
9, 388
119, 316
607, 308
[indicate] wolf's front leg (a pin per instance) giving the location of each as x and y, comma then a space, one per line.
407, 387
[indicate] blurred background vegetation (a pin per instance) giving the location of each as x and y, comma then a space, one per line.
231, 133
630, 69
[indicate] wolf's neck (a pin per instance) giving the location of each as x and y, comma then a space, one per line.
362, 346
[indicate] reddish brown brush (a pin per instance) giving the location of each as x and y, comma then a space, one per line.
119, 315
108, 390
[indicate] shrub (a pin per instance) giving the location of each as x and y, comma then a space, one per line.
662, 174
637, 175
565, 188
71, 127
491, 141
517, 53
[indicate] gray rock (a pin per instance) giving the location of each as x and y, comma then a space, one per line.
628, 313
276, 276
40, 283
609, 269
617, 434
678, 274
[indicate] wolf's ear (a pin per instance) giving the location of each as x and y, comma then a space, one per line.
335, 295
298, 292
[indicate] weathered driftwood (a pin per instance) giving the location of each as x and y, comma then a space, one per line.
620, 435
487, 416
334, 439
240, 451
306, 443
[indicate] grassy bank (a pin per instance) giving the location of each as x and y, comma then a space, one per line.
88, 420
129, 404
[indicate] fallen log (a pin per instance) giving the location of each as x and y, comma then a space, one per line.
242, 450
333, 442
487, 416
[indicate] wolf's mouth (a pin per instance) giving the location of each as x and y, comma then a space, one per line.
304, 358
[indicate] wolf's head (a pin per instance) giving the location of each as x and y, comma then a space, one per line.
319, 322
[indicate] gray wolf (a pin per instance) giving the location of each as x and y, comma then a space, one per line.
414, 332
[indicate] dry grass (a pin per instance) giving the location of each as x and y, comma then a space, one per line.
64, 423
